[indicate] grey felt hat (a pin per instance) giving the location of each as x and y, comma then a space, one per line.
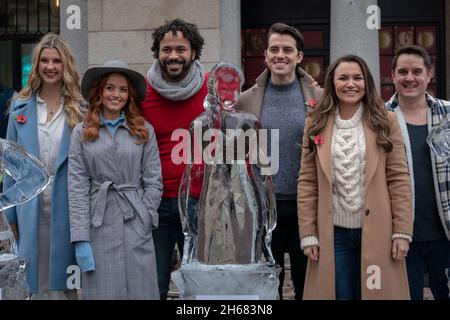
95, 73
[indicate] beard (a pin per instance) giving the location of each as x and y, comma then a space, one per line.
169, 75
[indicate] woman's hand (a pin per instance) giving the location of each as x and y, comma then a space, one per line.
312, 252
400, 248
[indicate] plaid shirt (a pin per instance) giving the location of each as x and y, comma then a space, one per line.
441, 167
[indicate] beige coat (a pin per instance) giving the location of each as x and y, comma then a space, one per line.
251, 100
388, 210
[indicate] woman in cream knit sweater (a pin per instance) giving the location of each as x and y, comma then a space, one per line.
354, 194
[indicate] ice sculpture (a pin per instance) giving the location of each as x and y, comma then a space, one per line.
228, 209
439, 142
439, 139
447, 273
30, 178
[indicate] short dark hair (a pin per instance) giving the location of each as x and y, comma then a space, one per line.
283, 28
189, 31
416, 50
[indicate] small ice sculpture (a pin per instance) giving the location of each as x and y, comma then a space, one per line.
30, 178
439, 139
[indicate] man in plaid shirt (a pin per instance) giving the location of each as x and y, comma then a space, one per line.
418, 113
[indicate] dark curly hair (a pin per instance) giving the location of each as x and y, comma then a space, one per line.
189, 31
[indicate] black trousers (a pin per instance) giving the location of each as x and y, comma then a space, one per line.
285, 238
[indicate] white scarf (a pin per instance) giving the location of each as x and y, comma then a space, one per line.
180, 90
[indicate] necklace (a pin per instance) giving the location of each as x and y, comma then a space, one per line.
52, 110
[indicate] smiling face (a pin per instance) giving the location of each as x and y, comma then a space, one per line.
175, 56
349, 84
51, 67
282, 57
411, 77
114, 95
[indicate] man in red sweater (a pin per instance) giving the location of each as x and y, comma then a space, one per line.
176, 87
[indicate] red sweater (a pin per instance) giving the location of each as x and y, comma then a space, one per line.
166, 116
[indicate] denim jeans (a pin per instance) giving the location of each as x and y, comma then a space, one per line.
168, 233
432, 257
285, 238
347, 263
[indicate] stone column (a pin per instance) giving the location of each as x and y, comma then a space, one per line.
74, 28
351, 33
230, 30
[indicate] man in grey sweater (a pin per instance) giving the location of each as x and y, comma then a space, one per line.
281, 98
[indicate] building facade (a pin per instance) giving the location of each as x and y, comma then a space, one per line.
234, 30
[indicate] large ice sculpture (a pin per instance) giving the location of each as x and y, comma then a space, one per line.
30, 178
227, 207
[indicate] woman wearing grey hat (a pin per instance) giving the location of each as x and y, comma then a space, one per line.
115, 187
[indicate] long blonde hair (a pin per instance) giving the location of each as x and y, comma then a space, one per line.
70, 91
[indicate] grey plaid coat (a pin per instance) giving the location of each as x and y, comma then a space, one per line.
437, 108
115, 188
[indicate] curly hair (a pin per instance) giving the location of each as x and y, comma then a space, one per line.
189, 31
133, 115
374, 113
70, 91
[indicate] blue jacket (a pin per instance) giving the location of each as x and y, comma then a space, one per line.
27, 215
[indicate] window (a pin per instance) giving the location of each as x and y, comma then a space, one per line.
22, 24
395, 36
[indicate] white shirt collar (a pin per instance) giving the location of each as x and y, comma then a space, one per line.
41, 106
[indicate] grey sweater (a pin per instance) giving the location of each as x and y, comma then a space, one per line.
283, 108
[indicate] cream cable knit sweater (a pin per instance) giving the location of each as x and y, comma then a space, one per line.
348, 154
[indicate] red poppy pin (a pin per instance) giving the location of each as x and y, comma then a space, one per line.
310, 103
21, 118
318, 139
